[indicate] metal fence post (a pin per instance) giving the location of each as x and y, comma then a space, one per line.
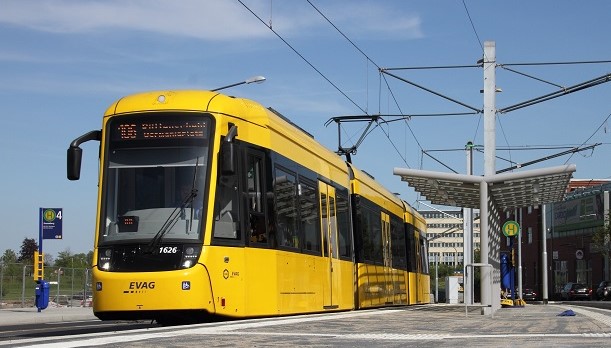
71, 288
23, 287
1, 280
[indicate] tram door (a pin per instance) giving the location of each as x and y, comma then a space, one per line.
417, 250
330, 250
387, 254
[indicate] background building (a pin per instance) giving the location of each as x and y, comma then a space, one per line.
445, 236
570, 225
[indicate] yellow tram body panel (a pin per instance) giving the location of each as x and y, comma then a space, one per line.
365, 186
379, 286
148, 291
251, 282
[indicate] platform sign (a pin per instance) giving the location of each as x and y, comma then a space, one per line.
511, 228
51, 223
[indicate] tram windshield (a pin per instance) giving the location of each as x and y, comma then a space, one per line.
155, 179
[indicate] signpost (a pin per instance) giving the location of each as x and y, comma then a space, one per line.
49, 227
511, 229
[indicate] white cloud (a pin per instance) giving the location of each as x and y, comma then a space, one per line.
211, 20
208, 20
383, 22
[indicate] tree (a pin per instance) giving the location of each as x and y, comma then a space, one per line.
9, 257
602, 242
28, 247
66, 259
90, 259
9, 264
48, 259
444, 270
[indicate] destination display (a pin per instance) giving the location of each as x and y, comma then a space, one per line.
147, 129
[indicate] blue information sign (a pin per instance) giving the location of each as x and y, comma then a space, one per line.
51, 223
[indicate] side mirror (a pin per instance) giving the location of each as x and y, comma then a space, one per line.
75, 153
227, 158
73, 168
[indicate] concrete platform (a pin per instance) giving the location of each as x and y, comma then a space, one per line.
534, 325
18, 316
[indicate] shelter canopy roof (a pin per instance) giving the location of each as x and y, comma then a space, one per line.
508, 190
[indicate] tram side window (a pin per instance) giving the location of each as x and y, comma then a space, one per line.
424, 255
376, 238
285, 191
254, 185
411, 248
398, 245
343, 226
371, 236
226, 208
308, 212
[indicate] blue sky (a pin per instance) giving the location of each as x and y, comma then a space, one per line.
63, 62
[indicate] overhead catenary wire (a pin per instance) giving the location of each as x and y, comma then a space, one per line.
379, 68
591, 136
563, 91
532, 77
557, 63
402, 116
316, 69
302, 57
479, 41
342, 34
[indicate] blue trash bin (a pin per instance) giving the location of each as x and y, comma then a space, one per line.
505, 272
42, 294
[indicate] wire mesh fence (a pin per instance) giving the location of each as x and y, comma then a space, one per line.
67, 286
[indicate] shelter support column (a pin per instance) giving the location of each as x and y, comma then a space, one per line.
483, 227
544, 277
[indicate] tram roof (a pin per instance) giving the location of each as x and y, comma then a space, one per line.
507, 190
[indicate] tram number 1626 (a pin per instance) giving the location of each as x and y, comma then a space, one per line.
168, 250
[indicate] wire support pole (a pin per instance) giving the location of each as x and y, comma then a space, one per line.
489, 168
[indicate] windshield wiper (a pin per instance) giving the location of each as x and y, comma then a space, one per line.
172, 220
176, 213
193, 192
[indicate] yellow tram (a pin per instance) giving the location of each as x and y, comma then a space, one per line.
215, 205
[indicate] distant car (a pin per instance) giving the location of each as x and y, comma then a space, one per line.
576, 291
604, 290
529, 295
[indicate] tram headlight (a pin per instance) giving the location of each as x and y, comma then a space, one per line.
104, 258
190, 254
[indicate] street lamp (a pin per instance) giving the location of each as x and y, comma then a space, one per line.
254, 79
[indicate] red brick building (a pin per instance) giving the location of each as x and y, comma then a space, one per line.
571, 255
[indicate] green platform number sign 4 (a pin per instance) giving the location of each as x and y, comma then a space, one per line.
511, 228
